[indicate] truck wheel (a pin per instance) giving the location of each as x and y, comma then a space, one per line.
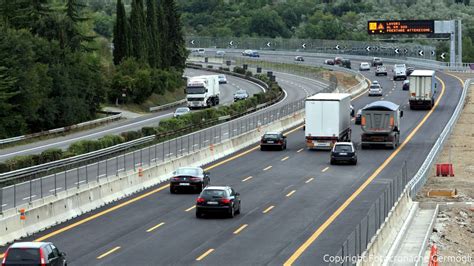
217, 101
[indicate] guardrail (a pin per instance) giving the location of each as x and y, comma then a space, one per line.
420, 177
62, 129
167, 106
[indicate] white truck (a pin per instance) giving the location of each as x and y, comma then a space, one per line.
422, 89
202, 91
399, 71
327, 120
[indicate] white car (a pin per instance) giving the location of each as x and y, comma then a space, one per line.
375, 90
240, 95
220, 53
247, 52
181, 111
222, 79
364, 66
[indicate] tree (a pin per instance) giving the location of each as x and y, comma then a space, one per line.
73, 38
138, 31
175, 45
153, 34
162, 25
120, 40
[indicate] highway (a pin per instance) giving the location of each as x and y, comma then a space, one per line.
62, 142
296, 207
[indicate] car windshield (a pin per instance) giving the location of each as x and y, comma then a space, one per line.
17, 255
343, 148
195, 90
381, 68
182, 110
364, 64
240, 92
399, 66
271, 136
188, 171
214, 193
374, 87
221, 76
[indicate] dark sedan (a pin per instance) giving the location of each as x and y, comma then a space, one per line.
273, 139
193, 178
222, 199
343, 152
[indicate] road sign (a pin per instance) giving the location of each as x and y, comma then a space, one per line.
192, 42
405, 51
420, 52
268, 44
231, 43
397, 51
443, 56
367, 48
400, 26
303, 45
338, 47
433, 53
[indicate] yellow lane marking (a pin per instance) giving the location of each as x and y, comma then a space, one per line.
309, 180
284, 159
351, 198
248, 178
108, 253
154, 227
300, 150
325, 169
240, 229
291, 193
190, 208
205, 254
458, 78
268, 209
267, 168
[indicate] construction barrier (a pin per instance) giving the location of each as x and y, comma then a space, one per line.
433, 256
444, 169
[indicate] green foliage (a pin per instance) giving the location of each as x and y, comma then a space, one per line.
110, 140
173, 45
50, 155
131, 135
120, 41
138, 31
239, 70
154, 41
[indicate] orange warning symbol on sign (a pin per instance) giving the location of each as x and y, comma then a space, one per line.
380, 27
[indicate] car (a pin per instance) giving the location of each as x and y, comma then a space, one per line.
181, 111
375, 90
399, 71
329, 62
364, 66
299, 58
220, 53
343, 152
337, 60
345, 63
375, 82
381, 70
34, 253
247, 52
194, 178
406, 85
201, 51
273, 139
377, 61
223, 199
222, 79
410, 70
240, 95
254, 54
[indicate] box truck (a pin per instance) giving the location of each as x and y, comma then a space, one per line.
327, 120
422, 89
380, 122
202, 91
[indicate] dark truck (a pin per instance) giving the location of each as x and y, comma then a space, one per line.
380, 122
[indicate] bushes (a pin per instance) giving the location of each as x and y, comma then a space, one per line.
131, 135
50, 155
239, 70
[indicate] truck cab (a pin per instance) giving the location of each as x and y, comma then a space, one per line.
202, 91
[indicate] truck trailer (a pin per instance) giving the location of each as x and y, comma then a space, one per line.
380, 122
202, 91
422, 89
327, 120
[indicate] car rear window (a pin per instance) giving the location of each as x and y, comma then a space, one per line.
188, 171
343, 148
23, 255
214, 193
375, 87
270, 136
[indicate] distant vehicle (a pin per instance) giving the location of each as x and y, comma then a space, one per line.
343, 152
422, 89
299, 58
222, 79
181, 111
380, 124
220, 53
364, 66
223, 199
375, 90
202, 91
375, 82
327, 120
194, 178
345, 63
399, 71
337, 60
410, 70
240, 95
329, 62
406, 85
34, 253
381, 70
201, 51
250, 53
254, 54
273, 139
377, 61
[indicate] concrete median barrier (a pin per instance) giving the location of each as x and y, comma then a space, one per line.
52, 210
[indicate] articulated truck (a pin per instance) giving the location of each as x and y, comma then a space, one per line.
202, 91
380, 122
422, 89
328, 120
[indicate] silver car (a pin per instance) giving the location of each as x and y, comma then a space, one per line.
375, 90
181, 111
240, 95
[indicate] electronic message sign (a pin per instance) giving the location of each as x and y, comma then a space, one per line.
400, 27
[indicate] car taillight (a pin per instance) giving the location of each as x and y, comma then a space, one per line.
175, 178
5, 258
43, 261
200, 200
225, 201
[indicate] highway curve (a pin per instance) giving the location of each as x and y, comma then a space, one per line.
282, 205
